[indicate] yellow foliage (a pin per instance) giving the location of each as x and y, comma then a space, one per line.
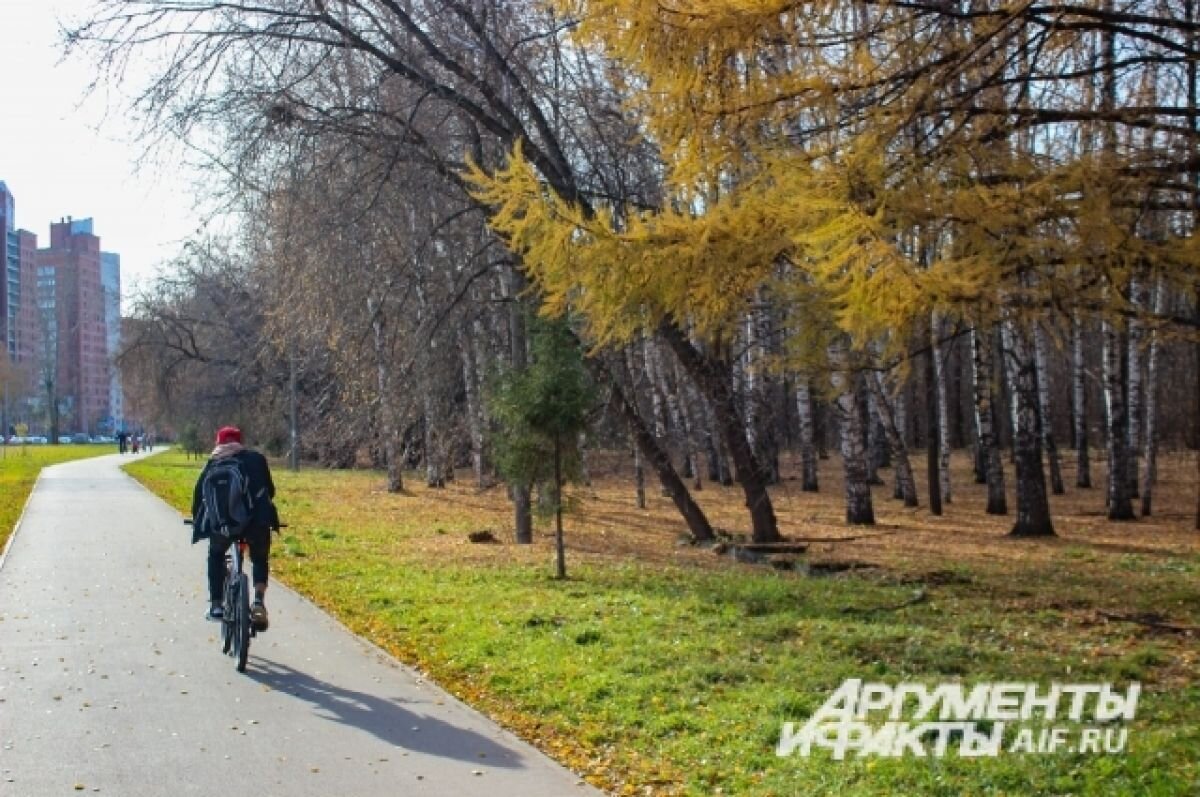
699, 267
854, 227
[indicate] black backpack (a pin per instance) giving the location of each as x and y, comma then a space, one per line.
228, 506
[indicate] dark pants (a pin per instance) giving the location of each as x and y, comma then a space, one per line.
260, 552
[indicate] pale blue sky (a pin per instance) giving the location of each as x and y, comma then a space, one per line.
62, 156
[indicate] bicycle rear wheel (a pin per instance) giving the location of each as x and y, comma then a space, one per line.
241, 623
230, 601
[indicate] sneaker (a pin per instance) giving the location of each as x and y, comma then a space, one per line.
258, 616
215, 612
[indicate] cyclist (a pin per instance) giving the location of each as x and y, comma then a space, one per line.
258, 534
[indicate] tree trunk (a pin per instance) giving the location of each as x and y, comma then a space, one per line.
475, 419
943, 410
932, 460
514, 286
655, 390
872, 440
1009, 376
752, 387
714, 452
882, 446
1083, 467
434, 468
900, 421
585, 466
639, 477
680, 429
859, 510
388, 416
808, 445
655, 454
981, 365
700, 427
713, 377
560, 553
760, 389
1193, 81
293, 420
1042, 362
1119, 504
1133, 428
1033, 506
1149, 465
691, 421
905, 483
978, 454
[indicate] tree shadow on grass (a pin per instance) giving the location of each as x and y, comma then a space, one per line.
385, 718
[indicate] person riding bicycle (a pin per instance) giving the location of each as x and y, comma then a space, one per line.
257, 534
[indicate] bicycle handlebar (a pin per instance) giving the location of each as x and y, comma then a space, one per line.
187, 521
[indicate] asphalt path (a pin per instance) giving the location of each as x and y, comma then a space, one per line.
112, 682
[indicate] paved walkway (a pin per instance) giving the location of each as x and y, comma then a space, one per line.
112, 682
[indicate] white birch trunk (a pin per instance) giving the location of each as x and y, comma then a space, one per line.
943, 410
1083, 466
512, 286
1150, 445
675, 414
691, 421
859, 510
388, 416
906, 486
1033, 506
1119, 505
981, 370
639, 479
1042, 361
475, 422
1134, 385
808, 443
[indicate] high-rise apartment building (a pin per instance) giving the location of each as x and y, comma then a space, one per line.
10, 286
29, 335
60, 323
71, 300
18, 306
110, 282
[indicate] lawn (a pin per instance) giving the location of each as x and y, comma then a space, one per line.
659, 668
19, 469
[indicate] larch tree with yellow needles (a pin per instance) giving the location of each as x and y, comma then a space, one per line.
828, 135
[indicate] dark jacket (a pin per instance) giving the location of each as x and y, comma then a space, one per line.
262, 492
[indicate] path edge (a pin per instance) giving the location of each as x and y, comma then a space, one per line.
20, 518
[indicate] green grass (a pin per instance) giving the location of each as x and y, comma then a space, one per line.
19, 469
665, 678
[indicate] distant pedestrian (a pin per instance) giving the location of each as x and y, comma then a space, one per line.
122, 441
137, 440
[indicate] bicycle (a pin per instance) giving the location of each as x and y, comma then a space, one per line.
236, 627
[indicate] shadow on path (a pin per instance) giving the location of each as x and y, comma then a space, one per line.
386, 719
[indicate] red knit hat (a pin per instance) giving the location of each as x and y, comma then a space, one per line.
229, 434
